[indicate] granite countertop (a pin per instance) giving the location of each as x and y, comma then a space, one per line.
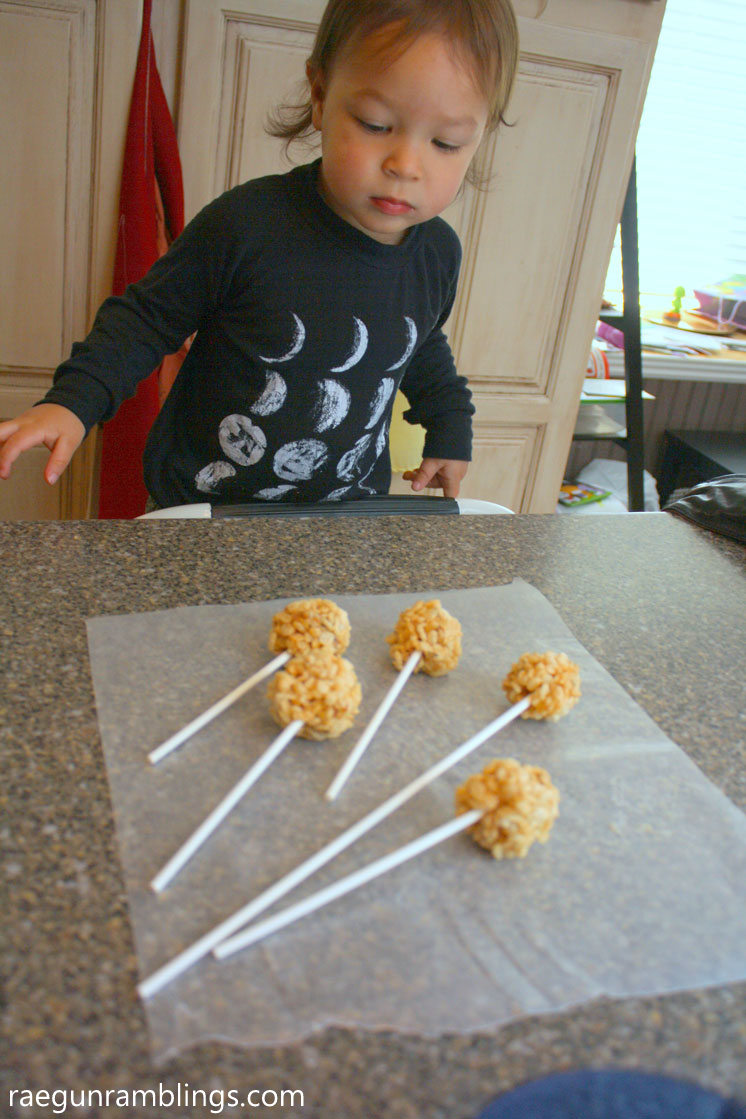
660, 603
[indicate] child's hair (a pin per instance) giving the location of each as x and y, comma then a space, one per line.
485, 32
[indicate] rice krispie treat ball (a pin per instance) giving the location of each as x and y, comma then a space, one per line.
308, 624
552, 681
321, 688
521, 805
428, 628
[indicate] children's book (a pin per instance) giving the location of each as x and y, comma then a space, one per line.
581, 493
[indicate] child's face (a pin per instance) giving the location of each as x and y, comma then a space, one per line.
397, 135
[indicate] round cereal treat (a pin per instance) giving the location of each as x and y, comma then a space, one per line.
551, 680
321, 688
521, 805
429, 629
308, 624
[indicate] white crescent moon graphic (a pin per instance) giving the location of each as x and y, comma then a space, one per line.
241, 441
348, 464
299, 337
274, 493
209, 477
272, 397
299, 461
332, 405
337, 495
359, 346
380, 400
381, 441
411, 343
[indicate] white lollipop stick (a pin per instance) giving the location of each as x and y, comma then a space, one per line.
283, 885
347, 884
218, 814
380, 714
207, 716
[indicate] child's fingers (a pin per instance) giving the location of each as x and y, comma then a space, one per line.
451, 486
62, 451
451, 474
61, 431
422, 476
9, 451
22, 439
8, 428
446, 474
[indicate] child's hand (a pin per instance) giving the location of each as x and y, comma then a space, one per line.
443, 473
56, 427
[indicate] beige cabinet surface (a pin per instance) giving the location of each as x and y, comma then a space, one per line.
66, 71
536, 243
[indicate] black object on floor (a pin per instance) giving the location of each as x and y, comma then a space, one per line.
612, 1094
719, 504
690, 457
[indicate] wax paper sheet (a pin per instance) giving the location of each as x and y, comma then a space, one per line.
640, 889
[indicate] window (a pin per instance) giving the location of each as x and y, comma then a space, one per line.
691, 153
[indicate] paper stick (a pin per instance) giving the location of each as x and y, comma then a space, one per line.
218, 814
207, 716
283, 885
380, 714
347, 884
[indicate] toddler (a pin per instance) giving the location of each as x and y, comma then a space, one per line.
315, 294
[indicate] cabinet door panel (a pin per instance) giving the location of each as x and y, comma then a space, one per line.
47, 60
262, 65
532, 218
34, 131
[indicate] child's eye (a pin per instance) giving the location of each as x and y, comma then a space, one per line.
370, 127
444, 147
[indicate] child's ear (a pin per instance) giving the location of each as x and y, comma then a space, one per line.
318, 92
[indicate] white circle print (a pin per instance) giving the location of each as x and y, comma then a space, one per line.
299, 461
208, 479
241, 440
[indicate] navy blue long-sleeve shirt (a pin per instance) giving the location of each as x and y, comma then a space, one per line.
305, 329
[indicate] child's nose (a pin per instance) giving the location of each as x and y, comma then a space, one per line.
403, 160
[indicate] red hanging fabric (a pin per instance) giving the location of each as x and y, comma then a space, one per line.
151, 177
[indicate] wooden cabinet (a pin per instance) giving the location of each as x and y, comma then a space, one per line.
65, 80
536, 243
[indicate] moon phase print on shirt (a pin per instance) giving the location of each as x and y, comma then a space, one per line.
273, 396
380, 400
359, 346
381, 440
274, 493
299, 337
337, 495
332, 405
300, 405
347, 467
241, 440
299, 461
411, 343
209, 477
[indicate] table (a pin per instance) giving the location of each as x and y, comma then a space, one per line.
659, 602
690, 457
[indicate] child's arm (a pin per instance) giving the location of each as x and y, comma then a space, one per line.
55, 427
128, 339
439, 398
440, 401
442, 473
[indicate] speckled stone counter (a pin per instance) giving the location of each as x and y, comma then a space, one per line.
660, 603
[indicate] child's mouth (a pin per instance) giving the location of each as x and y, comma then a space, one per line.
392, 205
